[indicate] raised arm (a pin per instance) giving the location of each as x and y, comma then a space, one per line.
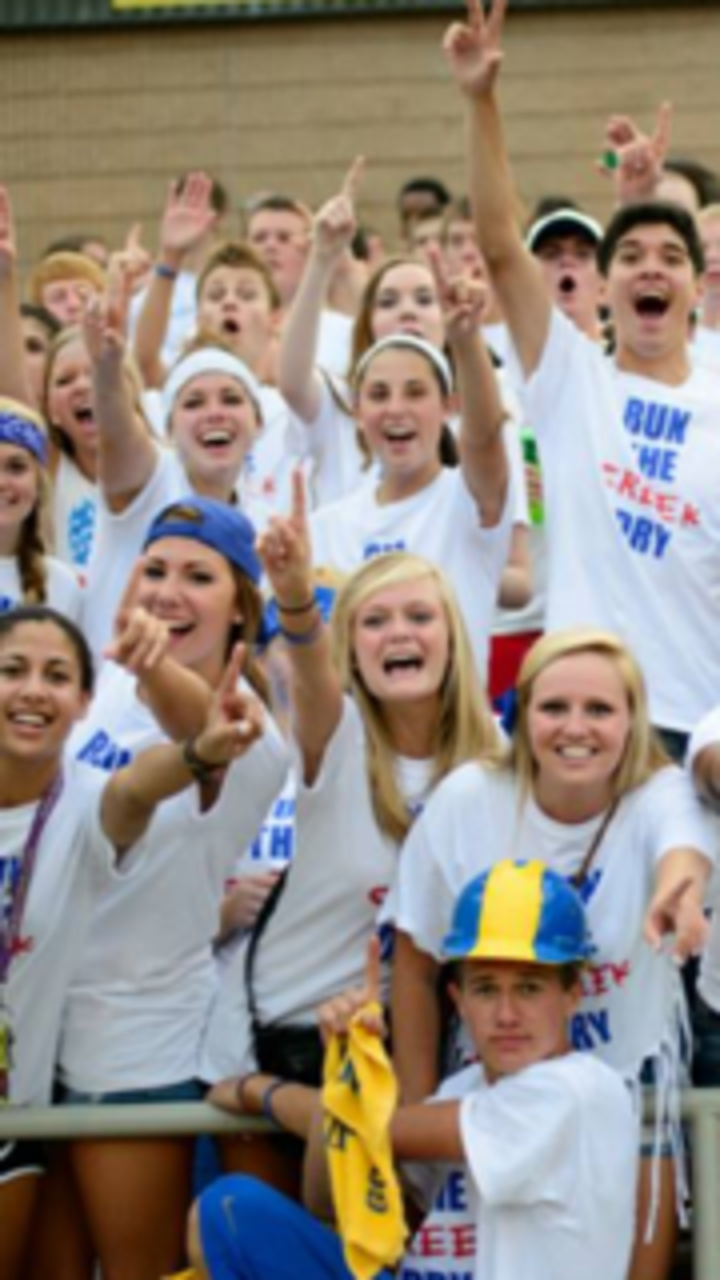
316, 693
333, 230
483, 457
14, 381
128, 455
132, 795
187, 218
473, 51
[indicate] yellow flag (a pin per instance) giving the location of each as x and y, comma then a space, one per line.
359, 1099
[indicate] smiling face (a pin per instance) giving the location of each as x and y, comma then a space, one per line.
192, 588
652, 290
19, 493
517, 1014
578, 724
214, 422
235, 305
569, 266
41, 694
70, 405
400, 410
406, 301
401, 642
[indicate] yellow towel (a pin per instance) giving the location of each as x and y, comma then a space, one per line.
359, 1099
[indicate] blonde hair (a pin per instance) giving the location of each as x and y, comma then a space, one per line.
465, 729
73, 333
643, 755
64, 265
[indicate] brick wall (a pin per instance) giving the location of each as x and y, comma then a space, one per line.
93, 125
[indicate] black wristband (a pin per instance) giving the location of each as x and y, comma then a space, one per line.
201, 770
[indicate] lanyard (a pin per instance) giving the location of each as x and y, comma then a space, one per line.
10, 928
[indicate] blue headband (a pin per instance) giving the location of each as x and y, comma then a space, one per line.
214, 524
25, 433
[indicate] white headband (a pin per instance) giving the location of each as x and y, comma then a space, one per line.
412, 343
209, 360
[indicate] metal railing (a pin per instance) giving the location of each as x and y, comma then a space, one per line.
700, 1107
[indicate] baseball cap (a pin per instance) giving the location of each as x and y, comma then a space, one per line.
563, 222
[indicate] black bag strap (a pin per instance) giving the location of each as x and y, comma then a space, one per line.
265, 915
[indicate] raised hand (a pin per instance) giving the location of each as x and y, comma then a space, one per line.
284, 549
635, 160
335, 224
8, 243
464, 301
236, 718
473, 48
133, 262
358, 1003
188, 215
103, 326
677, 912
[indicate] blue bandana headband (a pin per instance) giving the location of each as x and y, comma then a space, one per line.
22, 431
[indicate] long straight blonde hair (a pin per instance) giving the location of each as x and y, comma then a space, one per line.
465, 728
644, 754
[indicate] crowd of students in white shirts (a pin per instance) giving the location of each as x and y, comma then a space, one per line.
275, 512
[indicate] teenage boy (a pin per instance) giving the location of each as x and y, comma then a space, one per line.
630, 446
548, 1135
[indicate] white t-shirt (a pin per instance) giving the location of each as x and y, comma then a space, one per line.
441, 523
268, 467
73, 862
315, 943
334, 342
476, 817
120, 537
183, 316
75, 500
64, 592
551, 1154
631, 474
146, 978
330, 442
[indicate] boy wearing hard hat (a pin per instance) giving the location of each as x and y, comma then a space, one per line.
548, 1136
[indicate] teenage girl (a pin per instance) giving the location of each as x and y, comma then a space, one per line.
384, 704
27, 573
64, 834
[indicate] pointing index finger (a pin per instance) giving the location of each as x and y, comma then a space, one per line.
351, 181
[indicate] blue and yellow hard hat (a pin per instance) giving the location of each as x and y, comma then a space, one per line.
518, 911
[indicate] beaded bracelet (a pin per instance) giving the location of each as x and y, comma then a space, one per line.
292, 609
300, 638
164, 272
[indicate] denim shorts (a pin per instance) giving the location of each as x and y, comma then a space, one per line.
184, 1091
